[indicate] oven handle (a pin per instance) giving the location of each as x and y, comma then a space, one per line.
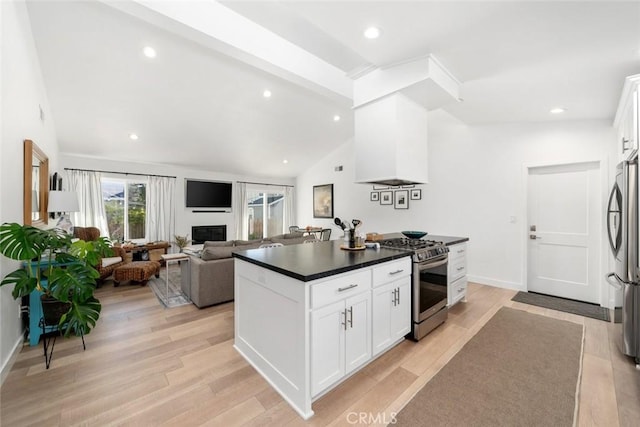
433, 264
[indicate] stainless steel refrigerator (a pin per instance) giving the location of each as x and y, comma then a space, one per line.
622, 225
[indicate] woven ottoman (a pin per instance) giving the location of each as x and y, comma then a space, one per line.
136, 271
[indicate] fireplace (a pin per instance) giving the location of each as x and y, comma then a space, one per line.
202, 233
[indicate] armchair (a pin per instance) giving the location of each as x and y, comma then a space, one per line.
106, 265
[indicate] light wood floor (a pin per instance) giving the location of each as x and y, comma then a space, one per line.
146, 365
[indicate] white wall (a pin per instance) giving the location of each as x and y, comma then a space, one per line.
476, 185
185, 218
22, 89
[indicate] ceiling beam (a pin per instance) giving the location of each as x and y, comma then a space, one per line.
217, 27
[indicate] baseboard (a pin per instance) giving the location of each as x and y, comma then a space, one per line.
6, 368
496, 283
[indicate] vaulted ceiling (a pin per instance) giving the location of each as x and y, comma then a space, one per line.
199, 103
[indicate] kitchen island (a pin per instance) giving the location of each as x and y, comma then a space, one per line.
307, 316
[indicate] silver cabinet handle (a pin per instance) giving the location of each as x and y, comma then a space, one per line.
624, 143
460, 251
346, 288
398, 293
350, 310
460, 268
460, 290
391, 273
344, 312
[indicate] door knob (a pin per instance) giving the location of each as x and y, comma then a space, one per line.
534, 237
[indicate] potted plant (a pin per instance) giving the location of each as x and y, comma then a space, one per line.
60, 268
181, 241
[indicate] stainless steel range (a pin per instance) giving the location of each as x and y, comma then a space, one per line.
429, 279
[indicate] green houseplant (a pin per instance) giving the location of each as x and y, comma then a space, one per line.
70, 279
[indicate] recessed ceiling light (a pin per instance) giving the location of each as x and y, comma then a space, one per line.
336, 118
557, 110
285, 161
149, 52
133, 136
372, 33
266, 93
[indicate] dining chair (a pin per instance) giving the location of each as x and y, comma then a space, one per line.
325, 234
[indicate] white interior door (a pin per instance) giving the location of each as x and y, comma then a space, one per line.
564, 240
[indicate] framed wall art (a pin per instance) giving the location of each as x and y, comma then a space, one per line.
401, 199
323, 201
375, 196
416, 194
386, 197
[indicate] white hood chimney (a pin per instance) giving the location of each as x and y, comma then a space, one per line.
391, 107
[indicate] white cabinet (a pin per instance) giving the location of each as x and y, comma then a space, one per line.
340, 331
391, 303
340, 340
457, 274
307, 337
627, 118
391, 313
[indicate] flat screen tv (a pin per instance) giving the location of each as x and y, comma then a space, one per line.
210, 195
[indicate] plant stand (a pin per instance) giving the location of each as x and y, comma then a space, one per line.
49, 335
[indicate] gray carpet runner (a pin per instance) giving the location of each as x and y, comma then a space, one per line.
520, 369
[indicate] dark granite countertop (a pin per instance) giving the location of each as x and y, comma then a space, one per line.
448, 240
311, 261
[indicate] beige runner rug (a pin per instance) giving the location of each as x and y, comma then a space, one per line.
520, 369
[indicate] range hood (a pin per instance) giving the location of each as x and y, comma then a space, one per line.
390, 107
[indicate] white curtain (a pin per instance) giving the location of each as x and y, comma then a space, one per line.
87, 185
289, 208
242, 211
161, 209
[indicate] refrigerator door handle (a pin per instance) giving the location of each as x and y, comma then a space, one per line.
617, 284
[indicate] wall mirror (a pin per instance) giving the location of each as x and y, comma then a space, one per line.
36, 184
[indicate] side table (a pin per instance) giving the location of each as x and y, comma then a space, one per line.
185, 279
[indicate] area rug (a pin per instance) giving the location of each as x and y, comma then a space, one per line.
563, 304
520, 369
159, 286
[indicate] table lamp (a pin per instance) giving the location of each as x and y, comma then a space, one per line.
63, 202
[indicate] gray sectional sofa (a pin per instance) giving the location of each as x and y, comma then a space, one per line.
212, 267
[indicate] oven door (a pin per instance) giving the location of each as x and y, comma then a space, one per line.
429, 287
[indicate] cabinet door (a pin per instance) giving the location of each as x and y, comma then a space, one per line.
628, 127
382, 303
327, 346
358, 332
457, 290
401, 310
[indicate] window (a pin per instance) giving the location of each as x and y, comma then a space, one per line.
125, 205
266, 214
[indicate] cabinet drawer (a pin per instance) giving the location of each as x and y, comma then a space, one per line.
393, 270
457, 251
457, 290
340, 287
457, 269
